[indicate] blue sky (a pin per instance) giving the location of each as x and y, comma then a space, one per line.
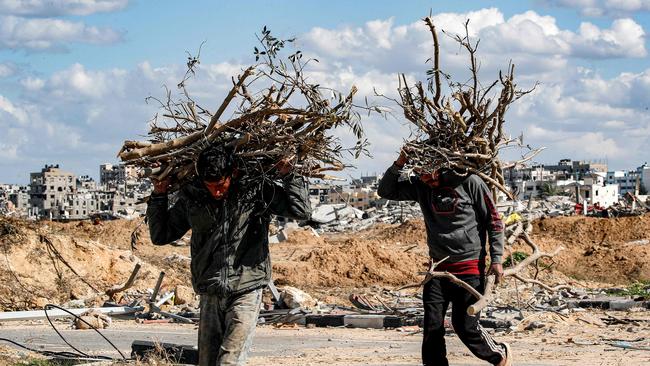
74, 74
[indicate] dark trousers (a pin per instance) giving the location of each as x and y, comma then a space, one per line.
438, 293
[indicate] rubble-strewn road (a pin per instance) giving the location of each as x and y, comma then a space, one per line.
329, 346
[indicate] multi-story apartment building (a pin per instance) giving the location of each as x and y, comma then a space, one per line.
112, 175
49, 190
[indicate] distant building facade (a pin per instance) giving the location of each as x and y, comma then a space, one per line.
49, 190
60, 195
113, 175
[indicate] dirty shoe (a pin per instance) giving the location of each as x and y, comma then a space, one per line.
507, 360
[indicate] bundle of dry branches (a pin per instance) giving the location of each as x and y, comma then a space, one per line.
464, 132
278, 114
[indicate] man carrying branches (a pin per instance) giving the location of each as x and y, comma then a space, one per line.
460, 218
229, 246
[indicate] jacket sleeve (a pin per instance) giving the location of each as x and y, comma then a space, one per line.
392, 189
489, 218
166, 224
289, 199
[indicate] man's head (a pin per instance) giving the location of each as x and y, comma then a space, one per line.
432, 179
215, 166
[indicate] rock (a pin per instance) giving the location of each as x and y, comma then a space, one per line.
178, 259
294, 298
91, 319
74, 304
534, 325
40, 302
184, 295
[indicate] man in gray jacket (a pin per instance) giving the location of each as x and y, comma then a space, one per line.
229, 246
460, 219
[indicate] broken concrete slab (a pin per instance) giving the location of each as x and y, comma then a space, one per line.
57, 314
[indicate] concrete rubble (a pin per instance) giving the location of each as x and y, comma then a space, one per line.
345, 218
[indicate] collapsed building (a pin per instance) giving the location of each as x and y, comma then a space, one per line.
56, 194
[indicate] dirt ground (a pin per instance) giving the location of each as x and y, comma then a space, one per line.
44, 262
576, 339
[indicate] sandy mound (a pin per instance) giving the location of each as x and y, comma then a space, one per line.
608, 250
54, 262
411, 231
352, 263
38, 260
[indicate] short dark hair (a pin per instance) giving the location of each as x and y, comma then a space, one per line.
215, 162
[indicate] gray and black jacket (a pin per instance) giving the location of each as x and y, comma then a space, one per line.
229, 245
459, 215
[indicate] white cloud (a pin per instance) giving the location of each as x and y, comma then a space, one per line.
613, 124
49, 8
596, 8
524, 37
49, 33
80, 116
593, 144
32, 83
627, 90
7, 70
17, 113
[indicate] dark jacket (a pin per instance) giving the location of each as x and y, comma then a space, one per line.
229, 246
460, 215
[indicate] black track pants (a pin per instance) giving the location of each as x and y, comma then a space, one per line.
438, 293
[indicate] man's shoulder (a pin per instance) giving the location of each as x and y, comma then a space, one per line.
473, 182
191, 189
474, 179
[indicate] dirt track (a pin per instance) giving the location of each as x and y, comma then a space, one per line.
574, 340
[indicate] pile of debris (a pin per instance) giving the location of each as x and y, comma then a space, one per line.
345, 218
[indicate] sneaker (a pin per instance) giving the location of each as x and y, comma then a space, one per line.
507, 360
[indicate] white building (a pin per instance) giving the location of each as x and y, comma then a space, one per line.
627, 180
644, 173
596, 191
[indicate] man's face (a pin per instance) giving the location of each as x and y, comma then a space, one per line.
431, 179
218, 188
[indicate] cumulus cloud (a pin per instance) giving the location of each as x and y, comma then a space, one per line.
596, 8
523, 38
32, 83
575, 112
12, 111
16, 32
51, 8
80, 117
593, 144
7, 69
45, 34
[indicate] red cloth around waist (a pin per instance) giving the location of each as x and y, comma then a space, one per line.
469, 267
